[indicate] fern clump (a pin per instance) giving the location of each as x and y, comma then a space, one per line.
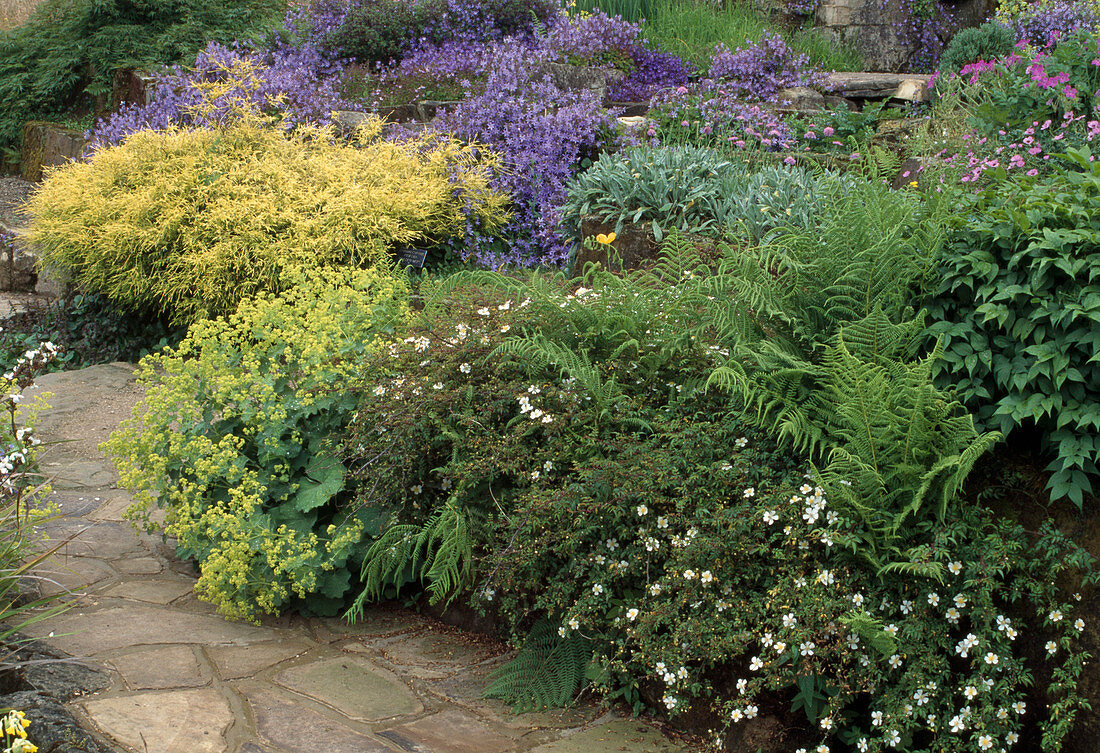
190, 222
234, 439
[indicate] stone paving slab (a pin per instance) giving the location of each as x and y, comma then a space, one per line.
360, 690
452, 731
187, 681
161, 591
89, 633
176, 721
237, 662
161, 668
613, 737
282, 721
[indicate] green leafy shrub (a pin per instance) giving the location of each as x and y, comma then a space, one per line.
553, 452
986, 42
87, 329
1017, 312
68, 50
189, 222
378, 31
233, 439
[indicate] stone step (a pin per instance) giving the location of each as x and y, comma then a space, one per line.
911, 87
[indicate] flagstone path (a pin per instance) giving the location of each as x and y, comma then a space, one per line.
184, 680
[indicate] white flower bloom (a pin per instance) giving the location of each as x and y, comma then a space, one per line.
706, 578
574, 623
741, 685
741, 442
1012, 738
751, 712
670, 701
789, 620
1019, 707
535, 475
755, 664
780, 647
749, 493
1079, 625
876, 718
641, 511
895, 661
505, 306
985, 742
437, 386
632, 614
807, 648
483, 312
416, 488
957, 724
933, 599
535, 414
826, 723
737, 715
970, 692
960, 601
464, 368
547, 419
891, 629
689, 574
655, 589
379, 391
862, 745
1051, 647
952, 615
955, 567
992, 659
445, 484
893, 738
771, 517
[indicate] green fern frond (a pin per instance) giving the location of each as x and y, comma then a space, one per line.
547, 671
440, 553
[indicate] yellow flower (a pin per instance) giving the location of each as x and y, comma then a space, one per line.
912, 184
606, 240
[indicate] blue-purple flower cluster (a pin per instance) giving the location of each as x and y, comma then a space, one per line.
760, 69
542, 133
925, 26
654, 71
594, 38
1047, 22
296, 84
709, 113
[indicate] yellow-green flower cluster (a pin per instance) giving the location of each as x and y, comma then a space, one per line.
232, 438
15, 725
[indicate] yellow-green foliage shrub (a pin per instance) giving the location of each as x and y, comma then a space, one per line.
233, 440
190, 222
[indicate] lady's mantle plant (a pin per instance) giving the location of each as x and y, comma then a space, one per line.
233, 440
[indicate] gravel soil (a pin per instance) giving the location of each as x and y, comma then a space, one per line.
14, 192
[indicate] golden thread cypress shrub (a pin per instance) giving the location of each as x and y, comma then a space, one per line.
233, 437
190, 222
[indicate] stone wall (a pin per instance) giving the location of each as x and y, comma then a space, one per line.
871, 27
